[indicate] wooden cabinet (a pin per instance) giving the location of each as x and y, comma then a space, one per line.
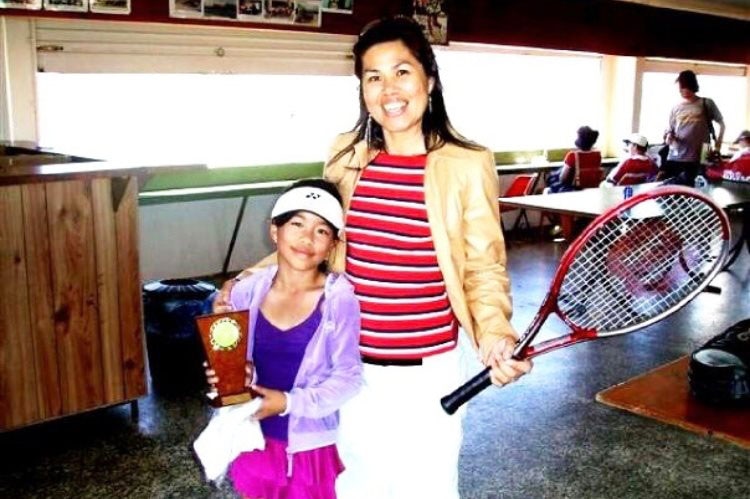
71, 336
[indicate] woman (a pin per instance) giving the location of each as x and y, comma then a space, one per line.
426, 255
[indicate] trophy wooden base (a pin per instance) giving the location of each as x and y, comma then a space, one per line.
238, 398
224, 338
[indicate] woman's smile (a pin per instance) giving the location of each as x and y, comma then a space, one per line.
396, 90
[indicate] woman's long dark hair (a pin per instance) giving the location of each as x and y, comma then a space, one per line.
436, 126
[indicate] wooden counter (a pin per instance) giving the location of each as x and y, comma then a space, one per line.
71, 334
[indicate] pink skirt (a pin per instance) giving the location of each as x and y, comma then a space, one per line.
263, 473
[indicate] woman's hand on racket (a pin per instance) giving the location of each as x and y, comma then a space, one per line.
496, 352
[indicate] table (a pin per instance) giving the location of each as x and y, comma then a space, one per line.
590, 203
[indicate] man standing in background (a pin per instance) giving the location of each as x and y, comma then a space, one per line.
690, 127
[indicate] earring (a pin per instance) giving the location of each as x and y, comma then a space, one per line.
429, 104
368, 129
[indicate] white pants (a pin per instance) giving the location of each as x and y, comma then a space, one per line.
395, 439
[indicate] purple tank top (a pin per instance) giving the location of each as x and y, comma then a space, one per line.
278, 354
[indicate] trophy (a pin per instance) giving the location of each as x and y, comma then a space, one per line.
224, 338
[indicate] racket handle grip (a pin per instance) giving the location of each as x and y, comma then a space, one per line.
466, 392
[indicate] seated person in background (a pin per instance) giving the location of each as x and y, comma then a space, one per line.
736, 169
577, 163
637, 162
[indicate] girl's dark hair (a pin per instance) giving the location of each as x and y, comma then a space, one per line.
310, 182
687, 79
436, 126
320, 183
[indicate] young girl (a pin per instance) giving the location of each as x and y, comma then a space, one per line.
303, 354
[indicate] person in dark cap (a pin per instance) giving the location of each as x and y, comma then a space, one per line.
690, 127
580, 164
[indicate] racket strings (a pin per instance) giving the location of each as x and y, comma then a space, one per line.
641, 263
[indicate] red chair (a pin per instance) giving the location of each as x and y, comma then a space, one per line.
633, 179
583, 178
587, 177
522, 185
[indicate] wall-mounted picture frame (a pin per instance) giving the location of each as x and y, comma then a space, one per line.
21, 4
220, 9
338, 6
110, 6
432, 16
186, 8
307, 13
250, 10
278, 11
67, 5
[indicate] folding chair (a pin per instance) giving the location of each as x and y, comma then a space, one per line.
522, 185
583, 178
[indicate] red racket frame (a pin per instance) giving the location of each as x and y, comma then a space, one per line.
523, 348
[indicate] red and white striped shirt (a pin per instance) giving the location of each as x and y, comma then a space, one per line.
392, 262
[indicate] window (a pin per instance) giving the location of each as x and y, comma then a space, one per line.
213, 119
243, 110
509, 99
727, 86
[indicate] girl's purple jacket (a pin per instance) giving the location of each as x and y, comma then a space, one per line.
331, 370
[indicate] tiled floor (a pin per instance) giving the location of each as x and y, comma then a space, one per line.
543, 437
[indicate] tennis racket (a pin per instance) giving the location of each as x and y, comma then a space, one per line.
632, 266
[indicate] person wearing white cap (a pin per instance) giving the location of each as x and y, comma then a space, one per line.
637, 167
303, 349
738, 168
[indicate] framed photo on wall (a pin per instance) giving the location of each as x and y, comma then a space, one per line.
21, 4
340, 6
432, 16
110, 6
67, 5
250, 10
307, 13
186, 8
278, 11
222, 9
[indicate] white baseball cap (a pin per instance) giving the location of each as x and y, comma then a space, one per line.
637, 139
312, 199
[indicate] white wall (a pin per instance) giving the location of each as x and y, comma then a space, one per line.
17, 80
191, 239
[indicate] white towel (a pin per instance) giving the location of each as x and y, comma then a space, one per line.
231, 430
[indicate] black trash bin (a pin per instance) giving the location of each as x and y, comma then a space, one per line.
175, 353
